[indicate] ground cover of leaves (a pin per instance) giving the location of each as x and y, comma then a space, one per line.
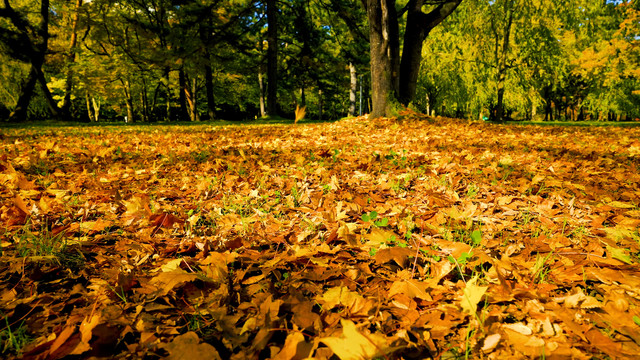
408, 238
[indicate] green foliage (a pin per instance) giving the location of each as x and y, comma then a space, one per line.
575, 60
572, 60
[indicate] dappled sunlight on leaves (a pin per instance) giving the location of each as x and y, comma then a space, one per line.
413, 238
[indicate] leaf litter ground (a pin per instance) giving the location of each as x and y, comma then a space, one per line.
414, 238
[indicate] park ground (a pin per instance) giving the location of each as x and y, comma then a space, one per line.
408, 238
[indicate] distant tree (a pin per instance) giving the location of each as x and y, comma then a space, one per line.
27, 41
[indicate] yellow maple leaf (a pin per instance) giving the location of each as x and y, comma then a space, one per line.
472, 295
354, 345
342, 296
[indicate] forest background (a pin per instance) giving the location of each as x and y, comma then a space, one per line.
242, 59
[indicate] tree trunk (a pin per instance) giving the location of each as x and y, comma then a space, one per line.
89, 110
167, 84
184, 113
272, 58
51, 102
192, 100
36, 54
352, 89
144, 99
126, 85
502, 65
38, 61
385, 53
66, 103
208, 79
263, 112
96, 108
392, 78
320, 105
418, 27
19, 114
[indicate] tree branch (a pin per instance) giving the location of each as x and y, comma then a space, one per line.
437, 15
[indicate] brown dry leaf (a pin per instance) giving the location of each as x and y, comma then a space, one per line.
86, 328
167, 281
342, 296
274, 251
411, 288
19, 203
188, 347
215, 266
294, 348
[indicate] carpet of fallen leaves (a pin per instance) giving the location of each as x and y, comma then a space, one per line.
408, 238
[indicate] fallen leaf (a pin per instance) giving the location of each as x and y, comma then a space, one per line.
356, 345
472, 295
188, 347
490, 343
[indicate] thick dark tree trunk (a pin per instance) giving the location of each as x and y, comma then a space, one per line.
419, 25
66, 103
51, 102
19, 114
385, 54
272, 58
35, 53
391, 78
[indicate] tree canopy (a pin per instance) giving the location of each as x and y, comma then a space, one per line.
139, 60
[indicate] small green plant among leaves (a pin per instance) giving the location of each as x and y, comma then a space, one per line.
40, 243
12, 340
476, 240
371, 218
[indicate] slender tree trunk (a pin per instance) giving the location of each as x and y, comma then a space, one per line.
263, 112
352, 89
320, 104
129, 103
66, 103
144, 99
272, 58
126, 85
502, 66
96, 108
184, 113
89, 110
303, 97
192, 100
19, 114
167, 84
208, 79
